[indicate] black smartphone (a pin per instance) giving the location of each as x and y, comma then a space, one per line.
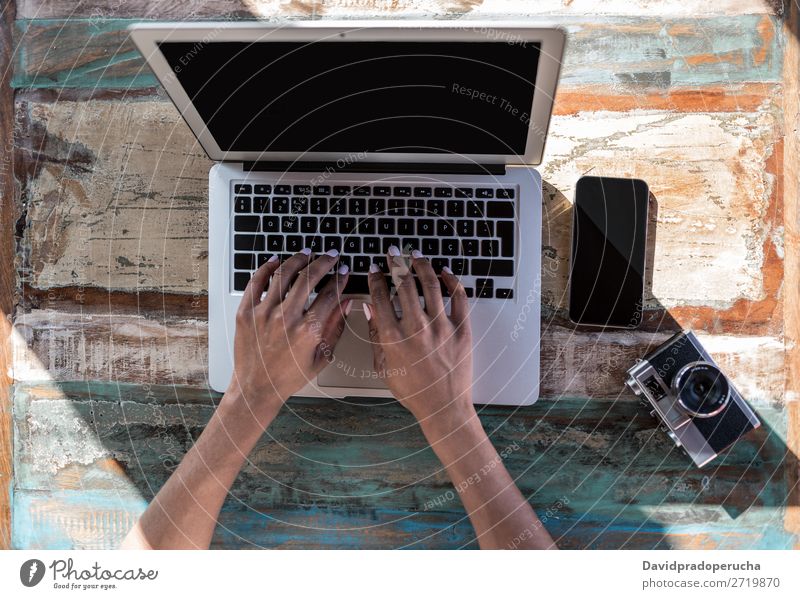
609, 232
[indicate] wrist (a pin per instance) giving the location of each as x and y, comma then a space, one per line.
454, 419
249, 409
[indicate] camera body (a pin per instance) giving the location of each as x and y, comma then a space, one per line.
701, 409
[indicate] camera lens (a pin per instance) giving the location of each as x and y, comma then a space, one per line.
702, 389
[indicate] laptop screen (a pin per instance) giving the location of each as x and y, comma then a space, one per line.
359, 96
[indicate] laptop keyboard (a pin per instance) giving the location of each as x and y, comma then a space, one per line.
468, 228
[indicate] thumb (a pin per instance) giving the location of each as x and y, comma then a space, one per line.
379, 361
331, 333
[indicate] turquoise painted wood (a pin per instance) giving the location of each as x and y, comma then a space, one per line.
624, 52
327, 474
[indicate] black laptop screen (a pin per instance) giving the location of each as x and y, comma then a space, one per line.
412, 97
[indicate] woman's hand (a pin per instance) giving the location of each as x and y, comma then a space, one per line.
425, 355
279, 345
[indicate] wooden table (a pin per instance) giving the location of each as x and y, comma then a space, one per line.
104, 259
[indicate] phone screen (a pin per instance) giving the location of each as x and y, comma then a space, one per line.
608, 252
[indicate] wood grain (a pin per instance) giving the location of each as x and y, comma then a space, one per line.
631, 54
89, 457
8, 282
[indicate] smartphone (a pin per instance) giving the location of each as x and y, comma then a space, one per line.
609, 232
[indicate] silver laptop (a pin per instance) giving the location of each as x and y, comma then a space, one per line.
359, 135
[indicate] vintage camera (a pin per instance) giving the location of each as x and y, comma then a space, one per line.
700, 407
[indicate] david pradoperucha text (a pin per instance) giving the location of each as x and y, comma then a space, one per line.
703, 566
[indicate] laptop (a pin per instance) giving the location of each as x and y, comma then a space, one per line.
359, 135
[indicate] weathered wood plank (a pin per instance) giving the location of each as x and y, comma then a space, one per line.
632, 54
718, 210
248, 9
141, 348
77, 442
8, 280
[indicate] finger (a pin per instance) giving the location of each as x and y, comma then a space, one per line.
285, 276
307, 279
434, 304
378, 359
255, 287
459, 308
329, 297
404, 283
331, 333
383, 310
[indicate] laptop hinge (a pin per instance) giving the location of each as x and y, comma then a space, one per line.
378, 167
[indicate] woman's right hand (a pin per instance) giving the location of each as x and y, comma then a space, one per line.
425, 355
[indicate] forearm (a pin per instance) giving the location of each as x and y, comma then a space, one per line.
500, 514
184, 513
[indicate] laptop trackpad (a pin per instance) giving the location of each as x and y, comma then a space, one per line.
352, 365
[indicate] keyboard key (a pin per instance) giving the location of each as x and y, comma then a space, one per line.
260, 204
387, 241
490, 248
361, 263
485, 228
332, 243
275, 243
443, 192
376, 206
405, 226
242, 188
366, 226
280, 205
347, 225
338, 206
352, 245
262, 259
484, 287
415, 207
308, 224
475, 209
241, 204
469, 291
455, 208
445, 228
386, 226
246, 224
244, 261
403, 192
500, 209
302, 190
338, 190
380, 262
319, 205
469, 247
463, 192
425, 227
397, 207
487, 267
439, 263
484, 192
506, 194
505, 231
422, 192
294, 243
248, 243
314, 243
465, 228
504, 293
283, 190
299, 205
290, 224
324, 190
460, 267
410, 243
450, 247
434, 208
362, 191
357, 284
240, 280
328, 225
430, 246
263, 189
357, 206
381, 190
270, 224
372, 245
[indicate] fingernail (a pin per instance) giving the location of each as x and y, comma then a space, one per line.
348, 307
374, 268
273, 258
394, 250
367, 311
447, 270
306, 251
333, 252
417, 254
344, 269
